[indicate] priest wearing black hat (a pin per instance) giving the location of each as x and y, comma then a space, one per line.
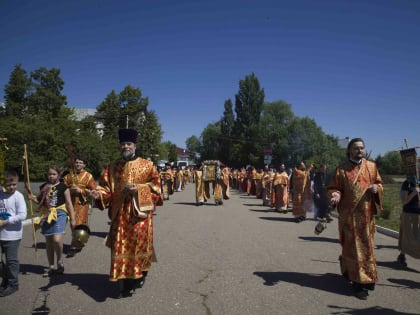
130, 189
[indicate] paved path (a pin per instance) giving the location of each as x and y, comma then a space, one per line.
238, 258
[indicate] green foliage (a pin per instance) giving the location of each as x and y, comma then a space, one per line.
36, 114
128, 109
390, 163
210, 142
172, 152
249, 103
226, 129
390, 217
240, 140
15, 93
193, 146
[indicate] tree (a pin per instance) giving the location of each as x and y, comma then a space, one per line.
46, 98
150, 134
193, 146
172, 152
109, 112
226, 137
128, 109
16, 92
275, 118
390, 164
42, 120
210, 144
248, 107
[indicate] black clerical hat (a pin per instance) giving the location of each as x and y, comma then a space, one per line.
127, 135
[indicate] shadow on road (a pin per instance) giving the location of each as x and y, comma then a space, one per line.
395, 265
330, 282
97, 286
99, 234
319, 239
375, 310
278, 219
262, 210
405, 283
29, 268
41, 245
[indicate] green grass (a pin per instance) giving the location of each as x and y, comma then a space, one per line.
390, 217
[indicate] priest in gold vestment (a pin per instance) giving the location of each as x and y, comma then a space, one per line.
130, 189
356, 189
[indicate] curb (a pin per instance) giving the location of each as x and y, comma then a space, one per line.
387, 232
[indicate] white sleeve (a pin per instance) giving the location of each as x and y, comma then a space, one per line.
20, 210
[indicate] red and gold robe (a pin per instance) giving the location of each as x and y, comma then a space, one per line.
200, 196
356, 222
280, 196
225, 183
302, 195
130, 237
83, 181
267, 188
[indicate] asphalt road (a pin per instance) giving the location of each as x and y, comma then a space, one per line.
237, 258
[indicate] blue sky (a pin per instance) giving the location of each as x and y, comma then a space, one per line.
352, 66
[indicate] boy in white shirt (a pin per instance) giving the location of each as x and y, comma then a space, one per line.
12, 213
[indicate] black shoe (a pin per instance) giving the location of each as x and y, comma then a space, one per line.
359, 291
49, 273
60, 269
369, 286
139, 283
124, 294
9, 290
126, 287
361, 294
401, 260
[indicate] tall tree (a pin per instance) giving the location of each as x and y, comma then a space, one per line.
172, 152
150, 135
193, 145
248, 107
133, 107
128, 109
109, 113
47, 99
210, 145
226, 138
16, 92
275, 119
